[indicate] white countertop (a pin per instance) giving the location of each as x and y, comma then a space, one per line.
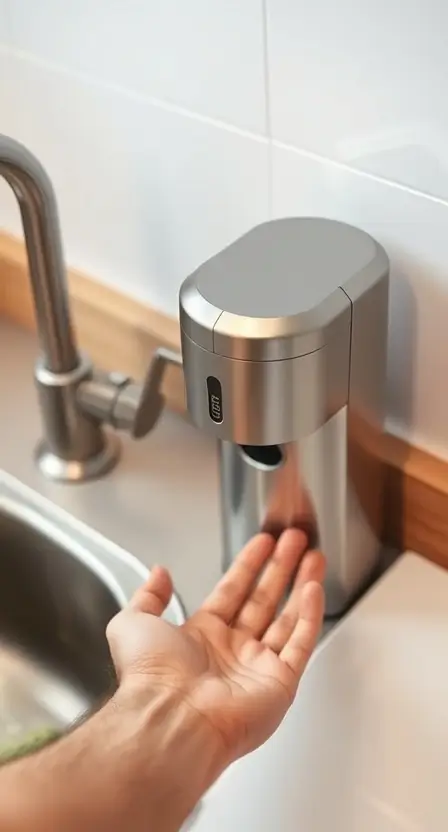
365, 745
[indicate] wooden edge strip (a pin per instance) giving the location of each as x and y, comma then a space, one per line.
120, 333
417, 500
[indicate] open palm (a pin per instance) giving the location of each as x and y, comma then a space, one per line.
238, 660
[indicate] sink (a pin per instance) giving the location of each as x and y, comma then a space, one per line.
60, 584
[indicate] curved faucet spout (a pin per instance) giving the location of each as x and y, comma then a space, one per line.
38, 208
75, 399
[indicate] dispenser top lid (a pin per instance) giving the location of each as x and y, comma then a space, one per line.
280, 291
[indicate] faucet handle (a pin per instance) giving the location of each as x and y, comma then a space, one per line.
116, 399
138, 407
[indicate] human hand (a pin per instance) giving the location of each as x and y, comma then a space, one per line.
238, 660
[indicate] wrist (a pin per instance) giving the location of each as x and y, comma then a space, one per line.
176, 754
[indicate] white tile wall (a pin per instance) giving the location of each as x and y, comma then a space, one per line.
364, 82
206, 55
164, 127
4, 25
9, 215
146, 194
414, 231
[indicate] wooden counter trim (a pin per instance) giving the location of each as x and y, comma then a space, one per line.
120, 333
417, 499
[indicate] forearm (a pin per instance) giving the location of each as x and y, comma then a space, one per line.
133, 766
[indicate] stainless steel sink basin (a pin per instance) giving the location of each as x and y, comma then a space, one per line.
60, 583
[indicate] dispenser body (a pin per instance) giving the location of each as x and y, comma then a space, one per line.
284, 341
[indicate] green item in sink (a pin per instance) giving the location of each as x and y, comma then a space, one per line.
27, 744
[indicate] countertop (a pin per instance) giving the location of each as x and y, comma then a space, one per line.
365, 745
161, 501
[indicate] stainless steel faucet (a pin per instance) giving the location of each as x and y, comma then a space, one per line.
76, 399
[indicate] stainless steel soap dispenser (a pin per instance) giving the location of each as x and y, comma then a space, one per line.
284, 339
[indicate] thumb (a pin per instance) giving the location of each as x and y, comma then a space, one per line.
154, 596
129, 632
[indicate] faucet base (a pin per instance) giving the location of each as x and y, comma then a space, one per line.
56, 468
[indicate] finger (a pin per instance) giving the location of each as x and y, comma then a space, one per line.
299, 647
312, 568
231, 592
155, 594
261, 606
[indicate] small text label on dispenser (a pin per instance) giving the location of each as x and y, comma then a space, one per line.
214, 390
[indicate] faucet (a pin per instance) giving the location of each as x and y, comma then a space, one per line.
76, 400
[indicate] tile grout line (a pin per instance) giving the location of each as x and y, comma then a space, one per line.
8, 50
363, 174
267, 93
136, 95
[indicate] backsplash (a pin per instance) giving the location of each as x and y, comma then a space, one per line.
171, 128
